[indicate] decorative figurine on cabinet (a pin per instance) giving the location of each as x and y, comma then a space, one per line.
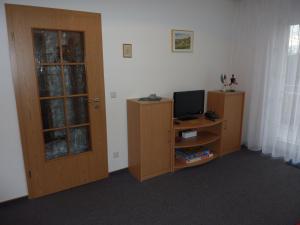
232, 84
224, 81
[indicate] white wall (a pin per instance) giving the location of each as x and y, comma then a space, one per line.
245, 56
153, 68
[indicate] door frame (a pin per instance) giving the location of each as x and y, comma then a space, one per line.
15, 75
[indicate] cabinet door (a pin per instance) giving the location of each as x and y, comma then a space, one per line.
58, 77
233, 115
155, 139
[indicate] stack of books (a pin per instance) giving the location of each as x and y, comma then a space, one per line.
192, 156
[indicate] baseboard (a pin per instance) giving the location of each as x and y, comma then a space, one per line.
119, 171
13, 201
16, 200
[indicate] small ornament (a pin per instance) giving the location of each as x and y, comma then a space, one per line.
224, 81
233, 80
233, 83
228, 85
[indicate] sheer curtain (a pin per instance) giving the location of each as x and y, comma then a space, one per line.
274, 101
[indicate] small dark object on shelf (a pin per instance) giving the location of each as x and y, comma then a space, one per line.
152, 97
211, 115
233, 80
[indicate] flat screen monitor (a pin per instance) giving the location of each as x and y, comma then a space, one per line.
188, 104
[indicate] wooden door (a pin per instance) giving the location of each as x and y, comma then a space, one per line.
56, 60
156, 125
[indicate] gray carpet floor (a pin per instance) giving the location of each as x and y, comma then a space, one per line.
244, 188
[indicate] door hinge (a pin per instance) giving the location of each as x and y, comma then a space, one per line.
29, 173
13, 36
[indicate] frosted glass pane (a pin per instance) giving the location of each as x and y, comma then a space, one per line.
56, 144
77, 110
53, 113
73, 46
75, 81
50, 81
79, 140
46, 47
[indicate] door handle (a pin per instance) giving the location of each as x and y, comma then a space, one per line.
94, 100
97, 99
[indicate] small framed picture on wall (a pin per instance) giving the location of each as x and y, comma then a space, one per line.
127, 50
182, 40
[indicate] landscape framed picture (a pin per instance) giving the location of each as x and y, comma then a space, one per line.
182, 40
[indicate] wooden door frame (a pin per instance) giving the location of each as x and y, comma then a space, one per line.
15, 76
13, 62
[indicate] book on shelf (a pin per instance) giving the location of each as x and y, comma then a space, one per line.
191, 156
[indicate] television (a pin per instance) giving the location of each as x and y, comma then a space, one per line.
188, 104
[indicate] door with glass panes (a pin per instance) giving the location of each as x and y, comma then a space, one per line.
57, 65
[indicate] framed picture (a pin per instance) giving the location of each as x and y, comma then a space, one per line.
127, 50
182, 40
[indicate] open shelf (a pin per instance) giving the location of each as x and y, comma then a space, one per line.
208, 136
180, 165
203, 138
195, 124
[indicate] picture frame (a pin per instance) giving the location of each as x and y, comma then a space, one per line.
182, 40
127, 50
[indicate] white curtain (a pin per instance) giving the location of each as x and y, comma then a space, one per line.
271, 28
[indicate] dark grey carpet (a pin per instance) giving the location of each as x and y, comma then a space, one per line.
244, 188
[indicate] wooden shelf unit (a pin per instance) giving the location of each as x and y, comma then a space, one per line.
153, 135
209, 134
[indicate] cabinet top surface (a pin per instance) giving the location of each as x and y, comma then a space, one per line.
136, 100
197, 123
227, 92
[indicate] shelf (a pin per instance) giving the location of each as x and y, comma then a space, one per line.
203, 138
208, 132
163, 100
197, 123
180, 165
227, 92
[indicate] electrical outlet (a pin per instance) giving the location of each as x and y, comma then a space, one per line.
115, 155
113, 94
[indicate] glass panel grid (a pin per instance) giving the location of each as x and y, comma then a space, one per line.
59, 57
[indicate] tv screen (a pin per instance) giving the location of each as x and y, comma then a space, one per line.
188, 103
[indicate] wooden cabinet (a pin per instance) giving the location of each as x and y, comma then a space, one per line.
230, 106
149, 137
